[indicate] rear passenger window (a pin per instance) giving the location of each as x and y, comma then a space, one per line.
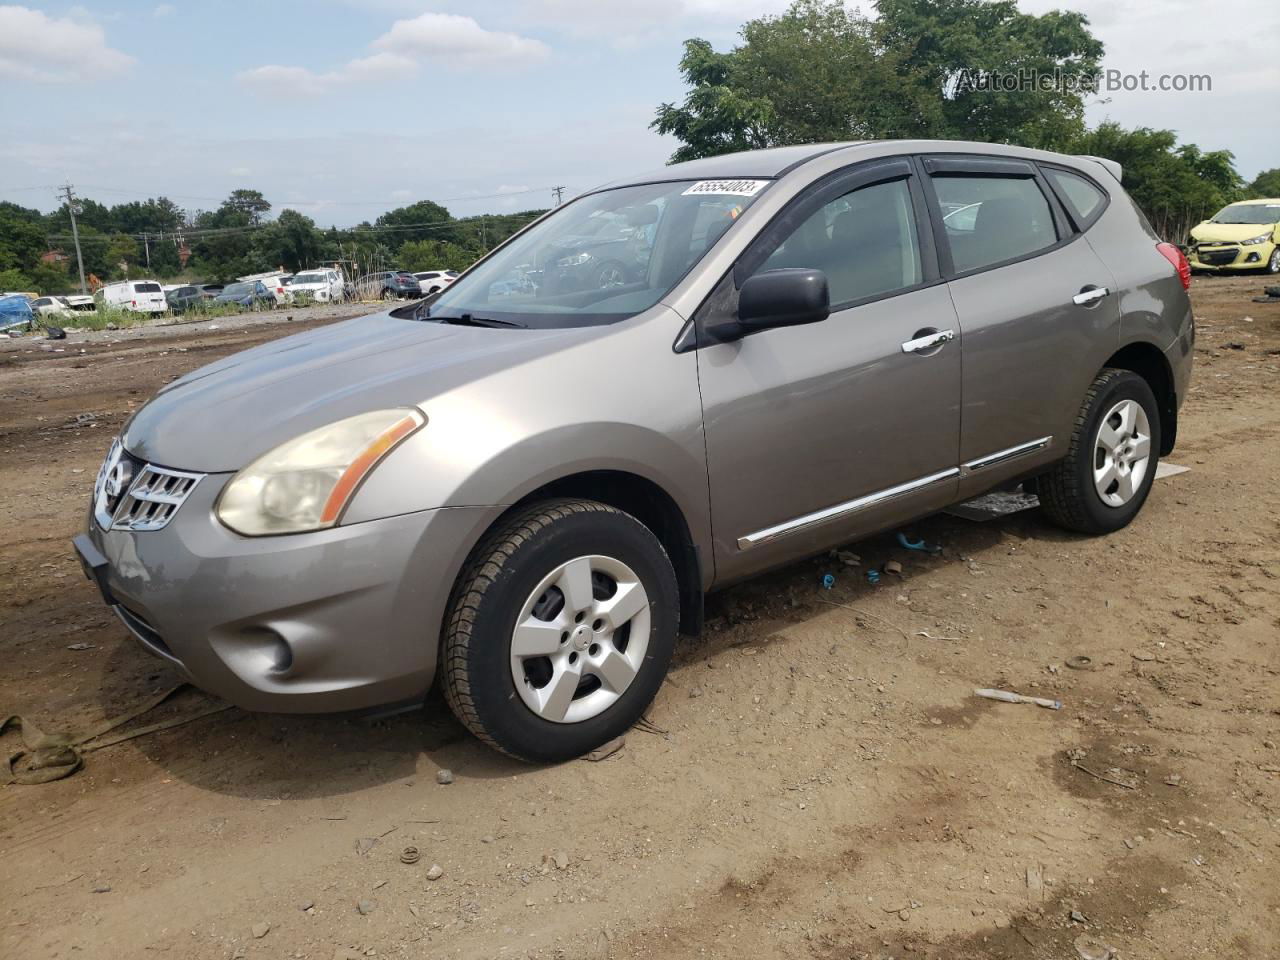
865, 242
992, 219
1082, 199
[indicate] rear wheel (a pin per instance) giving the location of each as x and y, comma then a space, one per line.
1102, 483
560, 630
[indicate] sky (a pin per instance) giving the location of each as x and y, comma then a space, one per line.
343, 109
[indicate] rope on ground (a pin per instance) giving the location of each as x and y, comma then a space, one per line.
53, 756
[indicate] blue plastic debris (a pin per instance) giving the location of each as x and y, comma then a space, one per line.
873, 576
828, 581
918, 544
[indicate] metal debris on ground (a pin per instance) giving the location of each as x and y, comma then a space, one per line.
1080, 662
1006, 696
409, 855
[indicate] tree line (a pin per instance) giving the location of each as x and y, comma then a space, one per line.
818, 72
154, 237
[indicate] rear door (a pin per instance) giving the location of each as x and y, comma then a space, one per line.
818, 434
1037, 305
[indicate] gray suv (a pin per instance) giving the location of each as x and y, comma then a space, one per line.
525, 489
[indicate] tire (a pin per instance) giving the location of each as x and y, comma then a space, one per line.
512, 579
1273, 263
387, 294
1072, 493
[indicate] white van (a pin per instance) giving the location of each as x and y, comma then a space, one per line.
140, 296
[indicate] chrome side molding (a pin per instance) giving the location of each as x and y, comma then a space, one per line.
843, 509
1000, 456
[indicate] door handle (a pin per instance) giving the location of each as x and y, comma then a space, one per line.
928, 341
1086, 297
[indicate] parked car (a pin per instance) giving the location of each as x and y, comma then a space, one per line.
529, 494
388, 285
16, 315
80, 303
433, 281
1240, 236
276, 282
251, 295
193, 295
138, 296
321, 284
51, 307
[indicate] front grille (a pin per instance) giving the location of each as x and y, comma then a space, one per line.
132, 495
1217, 255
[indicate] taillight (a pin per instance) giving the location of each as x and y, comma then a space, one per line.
1179, 261
133, 303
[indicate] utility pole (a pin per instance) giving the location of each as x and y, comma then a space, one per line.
68, 193
146, 245
559, 192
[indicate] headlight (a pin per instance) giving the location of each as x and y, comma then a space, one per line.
577, 260
1260, 238
305, 484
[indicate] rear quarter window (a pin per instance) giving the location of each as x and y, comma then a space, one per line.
1082, 199
146, 288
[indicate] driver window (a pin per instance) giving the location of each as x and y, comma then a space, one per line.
864, 241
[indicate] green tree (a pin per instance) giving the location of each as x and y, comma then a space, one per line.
423, 220
1266, 184
249, 205
291, 241
22, 238
150, 216
433, 255
823, 72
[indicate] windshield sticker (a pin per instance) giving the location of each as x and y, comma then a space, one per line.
727, 188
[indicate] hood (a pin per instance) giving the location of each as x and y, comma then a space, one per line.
224, 416
1229, 232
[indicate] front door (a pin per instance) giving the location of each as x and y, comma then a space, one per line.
819, 434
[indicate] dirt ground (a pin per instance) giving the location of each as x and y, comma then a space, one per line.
816, 779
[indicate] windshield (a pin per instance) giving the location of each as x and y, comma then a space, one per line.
601, 258
1249, 213
239, 289
310, 278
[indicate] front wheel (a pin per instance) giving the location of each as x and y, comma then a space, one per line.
1273, 264
1102, 483
560, 630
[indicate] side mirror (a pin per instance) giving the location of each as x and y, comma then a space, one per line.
783, 298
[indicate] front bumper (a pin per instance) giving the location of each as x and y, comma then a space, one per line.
1230, 256
340, 619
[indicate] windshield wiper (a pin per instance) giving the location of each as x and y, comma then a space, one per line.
469, 320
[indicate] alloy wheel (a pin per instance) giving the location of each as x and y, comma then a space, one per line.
1273, 265
580, 639
1122, 453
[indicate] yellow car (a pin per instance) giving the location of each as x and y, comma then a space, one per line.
1240, 236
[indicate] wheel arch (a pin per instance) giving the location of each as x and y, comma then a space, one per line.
651, 505
1149, 362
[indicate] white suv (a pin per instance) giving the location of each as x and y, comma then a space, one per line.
322, 285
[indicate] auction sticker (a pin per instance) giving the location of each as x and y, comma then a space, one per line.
727, 188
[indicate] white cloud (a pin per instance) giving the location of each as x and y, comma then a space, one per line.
276, 80
163, 10
37, 48
452, 38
